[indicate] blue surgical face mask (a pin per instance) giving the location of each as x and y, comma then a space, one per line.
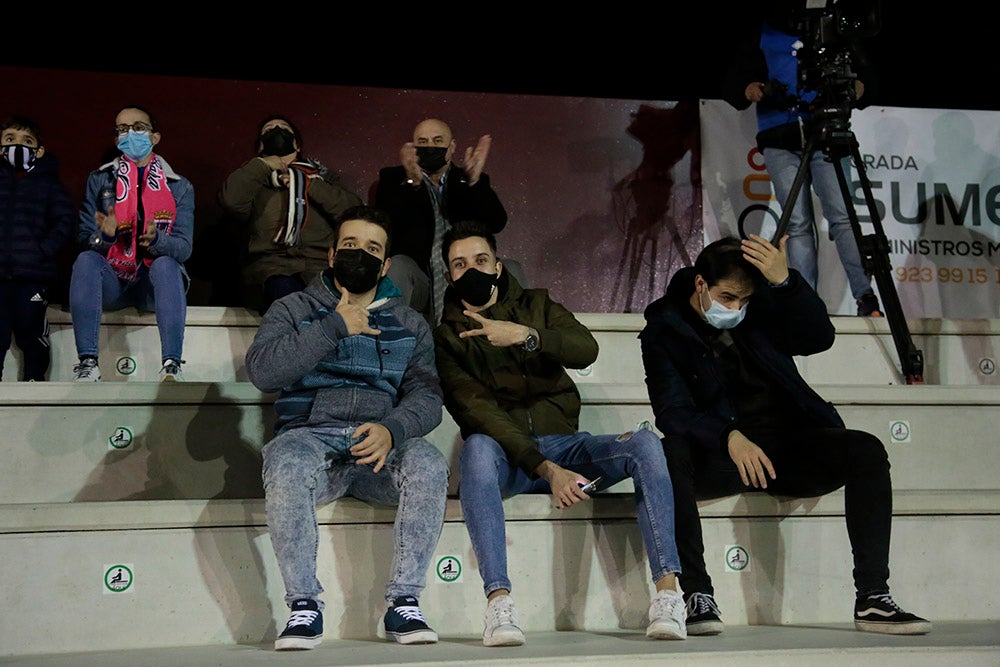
721, 317
135, 145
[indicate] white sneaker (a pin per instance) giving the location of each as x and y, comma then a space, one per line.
500, 624
171, 371
86, 371
667, 616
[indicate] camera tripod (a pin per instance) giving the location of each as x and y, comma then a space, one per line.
833, 136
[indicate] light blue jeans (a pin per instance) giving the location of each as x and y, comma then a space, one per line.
488, 477
95, 287
307, 467
782, 166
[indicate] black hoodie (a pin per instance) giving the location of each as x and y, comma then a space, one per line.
687, 383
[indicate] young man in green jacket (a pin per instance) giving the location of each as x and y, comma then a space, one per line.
501, 353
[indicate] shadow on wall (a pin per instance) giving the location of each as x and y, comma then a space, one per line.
645, 203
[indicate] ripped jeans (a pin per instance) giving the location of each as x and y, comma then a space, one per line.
488, 477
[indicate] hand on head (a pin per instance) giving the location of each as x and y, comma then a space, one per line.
772, 262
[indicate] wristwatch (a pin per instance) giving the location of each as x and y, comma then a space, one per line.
530, 343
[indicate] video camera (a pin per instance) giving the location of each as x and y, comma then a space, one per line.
830, 32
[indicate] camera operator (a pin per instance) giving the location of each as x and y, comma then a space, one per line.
766, 71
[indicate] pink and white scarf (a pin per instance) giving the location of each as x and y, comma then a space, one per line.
158, 206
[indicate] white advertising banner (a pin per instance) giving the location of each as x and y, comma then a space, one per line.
935, 178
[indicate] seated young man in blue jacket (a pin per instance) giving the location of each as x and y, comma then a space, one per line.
359, 390
737, 416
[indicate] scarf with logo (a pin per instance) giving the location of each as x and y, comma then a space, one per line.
300, 175
157, 205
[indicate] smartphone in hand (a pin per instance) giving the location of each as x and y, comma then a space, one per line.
590, 486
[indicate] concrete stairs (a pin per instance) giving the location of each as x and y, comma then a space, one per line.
159, 486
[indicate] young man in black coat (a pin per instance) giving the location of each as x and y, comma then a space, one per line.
737, 416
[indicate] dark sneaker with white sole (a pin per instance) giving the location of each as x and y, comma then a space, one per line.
304, 629
878, 612
868, 306
404, 623
703, 615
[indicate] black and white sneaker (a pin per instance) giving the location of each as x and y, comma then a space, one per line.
86, 371
171, 371
404, 623
703, 615
304, 629
878, 612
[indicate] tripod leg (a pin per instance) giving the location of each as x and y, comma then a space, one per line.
793, 192
874, 249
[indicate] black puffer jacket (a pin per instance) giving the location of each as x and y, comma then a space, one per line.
37, 221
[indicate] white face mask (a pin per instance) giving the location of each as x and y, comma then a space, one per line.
721, 317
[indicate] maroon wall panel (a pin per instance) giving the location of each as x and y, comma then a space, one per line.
602, 194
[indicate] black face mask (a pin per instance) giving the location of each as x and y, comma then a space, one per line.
475, 287
356, 270
277, 141
431, 158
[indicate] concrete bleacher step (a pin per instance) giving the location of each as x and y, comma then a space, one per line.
216, 339
165, 480
203, 572
141, 440
193, 529
957, 644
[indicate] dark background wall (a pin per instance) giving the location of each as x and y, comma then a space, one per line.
600, 192
594, 120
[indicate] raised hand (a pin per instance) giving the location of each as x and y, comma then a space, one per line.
408, 157
355, 316
279, 162
148, 237
108, 223
500, 333
475, 159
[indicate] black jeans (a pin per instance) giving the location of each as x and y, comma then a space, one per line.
808, 462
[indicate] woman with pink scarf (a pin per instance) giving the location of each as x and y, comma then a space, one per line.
136, 225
